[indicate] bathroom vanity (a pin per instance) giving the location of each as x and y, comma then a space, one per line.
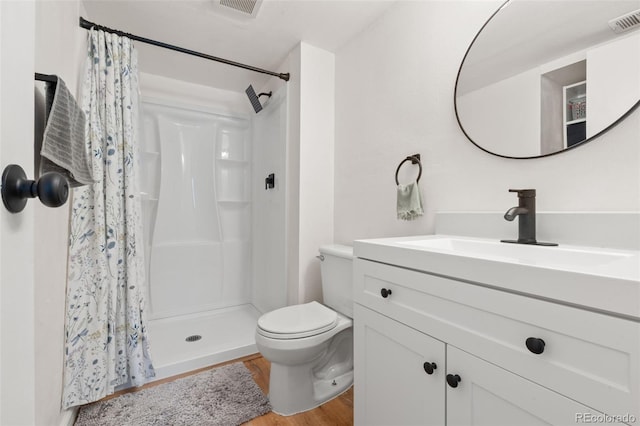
460, 331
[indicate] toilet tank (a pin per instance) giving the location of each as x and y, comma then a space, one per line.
337, 277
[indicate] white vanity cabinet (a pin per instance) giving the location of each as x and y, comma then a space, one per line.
492, 396
588, 366
400, 373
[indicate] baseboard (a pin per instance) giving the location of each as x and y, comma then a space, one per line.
69, 416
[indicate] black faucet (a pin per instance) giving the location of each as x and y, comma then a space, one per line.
526, 213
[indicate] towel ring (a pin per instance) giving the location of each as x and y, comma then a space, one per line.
415, 159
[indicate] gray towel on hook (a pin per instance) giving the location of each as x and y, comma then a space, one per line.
64, 148
409, 205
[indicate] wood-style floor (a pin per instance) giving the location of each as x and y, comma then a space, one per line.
337, 412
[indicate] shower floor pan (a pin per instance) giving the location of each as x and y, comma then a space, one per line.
225, 334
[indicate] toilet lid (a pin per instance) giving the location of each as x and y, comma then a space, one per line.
296, 321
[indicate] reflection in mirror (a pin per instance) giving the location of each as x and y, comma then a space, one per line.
544, 76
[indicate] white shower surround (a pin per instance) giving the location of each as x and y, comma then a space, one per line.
201, 234
200, 190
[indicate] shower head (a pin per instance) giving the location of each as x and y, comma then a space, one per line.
255, 99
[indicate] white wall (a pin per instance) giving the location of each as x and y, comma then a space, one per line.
309, 165
293, 64
394, 97
317, 133
310, 159
60, 46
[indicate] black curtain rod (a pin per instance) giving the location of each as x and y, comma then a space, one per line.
88, 25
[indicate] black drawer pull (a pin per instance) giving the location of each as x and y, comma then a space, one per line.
453, 380
429, 367
535, 345
385, 292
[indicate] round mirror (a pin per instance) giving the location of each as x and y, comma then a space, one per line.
541, 77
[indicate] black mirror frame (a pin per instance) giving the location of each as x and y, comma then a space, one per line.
455, 106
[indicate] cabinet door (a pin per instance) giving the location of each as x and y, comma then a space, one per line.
392, 385
489, 395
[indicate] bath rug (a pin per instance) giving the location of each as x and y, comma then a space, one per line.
226, 396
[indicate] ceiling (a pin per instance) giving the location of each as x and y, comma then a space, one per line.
262, 42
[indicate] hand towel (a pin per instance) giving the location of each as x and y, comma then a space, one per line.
64, 148
409, 202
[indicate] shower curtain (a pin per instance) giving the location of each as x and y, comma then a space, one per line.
105, 337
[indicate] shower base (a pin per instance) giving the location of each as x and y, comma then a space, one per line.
226, 334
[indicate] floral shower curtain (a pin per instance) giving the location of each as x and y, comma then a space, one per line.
105, 337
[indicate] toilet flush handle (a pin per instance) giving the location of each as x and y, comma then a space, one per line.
321, 257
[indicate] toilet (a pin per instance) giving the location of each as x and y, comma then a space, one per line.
310, 346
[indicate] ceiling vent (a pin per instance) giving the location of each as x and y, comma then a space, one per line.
238, 8
626, 22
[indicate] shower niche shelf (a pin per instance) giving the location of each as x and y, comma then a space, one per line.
145, 196
232, 161
234, 202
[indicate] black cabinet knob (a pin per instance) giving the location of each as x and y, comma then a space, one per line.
385, 292
429, 367
535, 345
453, 380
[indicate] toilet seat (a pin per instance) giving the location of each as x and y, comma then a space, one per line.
297, 321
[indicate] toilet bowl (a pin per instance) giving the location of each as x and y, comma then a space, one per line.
310, 346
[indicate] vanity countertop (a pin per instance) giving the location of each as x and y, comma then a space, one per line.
600, 279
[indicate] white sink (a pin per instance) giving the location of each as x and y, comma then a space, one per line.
602, 279
556, 256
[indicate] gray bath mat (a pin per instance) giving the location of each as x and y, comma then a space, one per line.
223, 396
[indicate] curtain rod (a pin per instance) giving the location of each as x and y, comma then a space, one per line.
88, 25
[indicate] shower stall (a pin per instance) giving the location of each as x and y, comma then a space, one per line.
215, 246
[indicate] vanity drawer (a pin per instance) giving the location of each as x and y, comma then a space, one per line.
590, 357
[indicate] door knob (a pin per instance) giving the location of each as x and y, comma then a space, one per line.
52, 189
385, 292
